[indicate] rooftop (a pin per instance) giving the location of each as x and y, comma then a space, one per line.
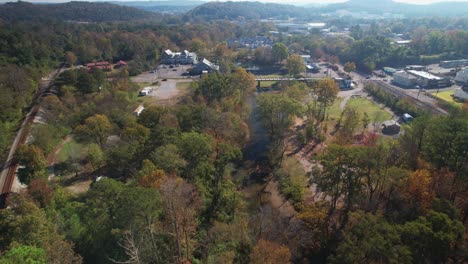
424, 75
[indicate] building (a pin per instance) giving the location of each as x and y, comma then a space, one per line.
425, 79
403, 43
185, 57
120, 64
415, 68
460, 96
204, 66
404, 79
407, 117
390, 71
103, 65
454, 63
146, 91
462, 77
390, 127
138, 110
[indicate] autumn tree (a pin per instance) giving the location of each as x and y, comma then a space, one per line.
95, 129
295, 65
71, 58
349, 67
33, 161
325, 92
181, 204
23, 223
266, 252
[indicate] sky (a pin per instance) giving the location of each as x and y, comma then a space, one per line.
271, 1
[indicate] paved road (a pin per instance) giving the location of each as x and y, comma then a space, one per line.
8, 173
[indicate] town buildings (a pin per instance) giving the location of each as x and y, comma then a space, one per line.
204, 66
185, 57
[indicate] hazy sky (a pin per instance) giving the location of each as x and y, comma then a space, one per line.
272, 1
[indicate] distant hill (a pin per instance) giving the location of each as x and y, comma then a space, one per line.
389, 6
72, 11
246, 10
162, 6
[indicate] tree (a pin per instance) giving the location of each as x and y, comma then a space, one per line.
24, 254
349, 67
40, 191
266, 252
326, 92
295, 65
419, 188
71, 58
276, 111
194, 148
96, 156
181, 204
446, 142
34, 162
433, 237
95, 129
23, 223
168, 158
371, 239
280, 52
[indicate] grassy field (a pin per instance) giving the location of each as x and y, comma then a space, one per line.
334, 111
183, 85
266, 84
447, 96
71, 149
374, 112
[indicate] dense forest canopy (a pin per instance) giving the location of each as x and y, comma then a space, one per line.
72, 11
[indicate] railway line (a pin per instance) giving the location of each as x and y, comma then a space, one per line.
400, 93
8, 173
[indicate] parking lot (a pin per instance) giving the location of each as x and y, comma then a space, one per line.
162, 72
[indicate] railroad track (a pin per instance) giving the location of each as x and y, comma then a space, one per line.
402, 94
8, 173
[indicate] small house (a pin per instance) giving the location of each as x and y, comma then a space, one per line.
146, 91
390, 127
407, 117
120, 64
138, 110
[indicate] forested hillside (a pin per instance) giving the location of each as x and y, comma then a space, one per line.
71, 11
245, 10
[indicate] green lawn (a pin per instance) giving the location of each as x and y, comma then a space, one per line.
267, 84
334, 111
71, 149
447, 96
374, 112
183, 85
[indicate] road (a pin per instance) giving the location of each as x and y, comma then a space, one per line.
8, 173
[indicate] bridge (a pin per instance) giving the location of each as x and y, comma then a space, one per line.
280, 79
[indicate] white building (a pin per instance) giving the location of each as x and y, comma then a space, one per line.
138, 110
404, 79
462, 76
